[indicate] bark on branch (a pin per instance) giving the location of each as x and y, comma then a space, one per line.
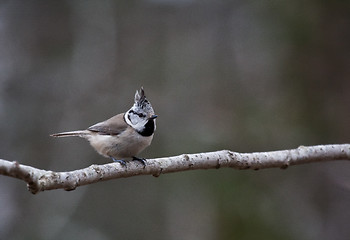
40, 180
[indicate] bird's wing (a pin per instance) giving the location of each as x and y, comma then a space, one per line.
113, 126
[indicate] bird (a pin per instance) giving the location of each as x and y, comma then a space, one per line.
124, 135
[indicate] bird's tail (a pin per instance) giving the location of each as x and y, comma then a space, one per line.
79, 133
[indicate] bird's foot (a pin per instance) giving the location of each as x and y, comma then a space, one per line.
141, 160
122, 162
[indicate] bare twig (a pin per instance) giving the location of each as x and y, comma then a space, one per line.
41, 180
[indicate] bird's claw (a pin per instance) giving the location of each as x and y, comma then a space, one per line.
141, 160
121, 161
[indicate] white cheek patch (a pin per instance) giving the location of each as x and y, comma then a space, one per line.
131, 118
135, 121
139, 126
127, 118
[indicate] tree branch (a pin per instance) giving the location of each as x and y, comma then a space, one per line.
41, 180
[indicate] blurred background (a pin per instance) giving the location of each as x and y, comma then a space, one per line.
240, 75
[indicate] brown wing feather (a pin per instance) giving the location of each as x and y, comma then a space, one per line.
113, 126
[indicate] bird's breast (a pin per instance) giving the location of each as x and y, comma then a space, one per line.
125, 145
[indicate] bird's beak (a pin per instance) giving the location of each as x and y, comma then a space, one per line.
153, 116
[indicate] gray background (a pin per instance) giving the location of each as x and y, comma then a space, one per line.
239, 75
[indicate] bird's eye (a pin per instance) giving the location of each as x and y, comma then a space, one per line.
141, 115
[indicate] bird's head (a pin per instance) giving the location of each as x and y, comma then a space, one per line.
141, 115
